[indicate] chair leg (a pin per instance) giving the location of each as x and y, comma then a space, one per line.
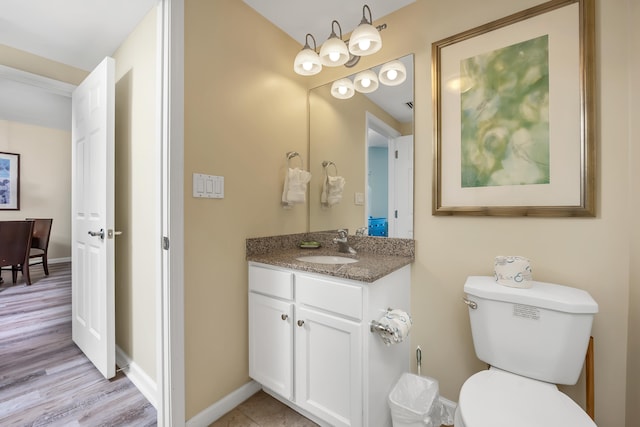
25, 273
14, 273
45, 264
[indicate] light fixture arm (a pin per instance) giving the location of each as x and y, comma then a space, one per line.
333, 32
306, 42
364, 19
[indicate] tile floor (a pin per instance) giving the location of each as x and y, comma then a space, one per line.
262, 410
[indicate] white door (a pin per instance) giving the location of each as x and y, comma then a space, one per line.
271, 343
401, 214
92, 252
328, 363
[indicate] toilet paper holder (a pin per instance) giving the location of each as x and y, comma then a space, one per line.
375, 326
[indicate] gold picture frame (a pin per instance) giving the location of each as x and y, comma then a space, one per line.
514, 115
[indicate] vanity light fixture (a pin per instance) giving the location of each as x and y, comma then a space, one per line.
365, 81
365, 39
342, 89
307, 62
393, 73
334, 51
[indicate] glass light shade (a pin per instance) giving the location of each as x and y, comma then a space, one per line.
366, 81
334, 52
307, 62
365, 40
393, 73
342, 89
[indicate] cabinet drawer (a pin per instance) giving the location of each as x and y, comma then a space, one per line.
340, 298
266, 281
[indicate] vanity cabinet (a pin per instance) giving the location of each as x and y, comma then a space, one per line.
310, 343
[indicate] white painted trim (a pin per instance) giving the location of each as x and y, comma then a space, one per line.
50, 85
57, 260
143, 382
171, 363
224, 405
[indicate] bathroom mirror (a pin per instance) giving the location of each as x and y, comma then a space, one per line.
357, 138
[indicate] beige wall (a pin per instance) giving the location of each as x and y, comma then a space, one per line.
137, 195
45, 156
45, 179
245, 109
35, 64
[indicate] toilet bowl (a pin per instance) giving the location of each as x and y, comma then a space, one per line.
501, 399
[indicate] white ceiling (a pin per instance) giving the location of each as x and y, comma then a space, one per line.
75, 32
81, 33
299, 17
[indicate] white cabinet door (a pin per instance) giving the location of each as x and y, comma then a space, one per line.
271, 343
328, 367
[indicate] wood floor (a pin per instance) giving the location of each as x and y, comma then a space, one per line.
45, 380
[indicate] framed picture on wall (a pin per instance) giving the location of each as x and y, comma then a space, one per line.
514, 109
9, 181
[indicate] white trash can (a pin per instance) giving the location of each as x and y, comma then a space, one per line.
415, 402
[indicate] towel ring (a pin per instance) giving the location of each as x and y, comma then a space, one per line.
326, 165
291, 155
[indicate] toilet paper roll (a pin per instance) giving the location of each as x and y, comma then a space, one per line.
513, 271
398, 324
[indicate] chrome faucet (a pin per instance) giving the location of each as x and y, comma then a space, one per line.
343, 243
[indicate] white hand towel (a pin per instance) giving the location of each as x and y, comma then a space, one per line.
398, 323
295, 186
332, 189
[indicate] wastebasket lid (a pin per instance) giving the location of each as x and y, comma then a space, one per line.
501, 399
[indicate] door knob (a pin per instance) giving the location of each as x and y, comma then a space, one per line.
97, 233
284, 316
300, 322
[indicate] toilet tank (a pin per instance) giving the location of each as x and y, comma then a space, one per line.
541, 332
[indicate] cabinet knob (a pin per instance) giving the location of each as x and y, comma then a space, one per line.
300, 322
284, 316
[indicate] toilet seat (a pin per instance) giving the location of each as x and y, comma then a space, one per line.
501, 399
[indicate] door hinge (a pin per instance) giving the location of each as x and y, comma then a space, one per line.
165, 243
395, 213
396, 154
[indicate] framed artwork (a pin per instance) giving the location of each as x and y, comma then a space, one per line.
514, 109
9, 181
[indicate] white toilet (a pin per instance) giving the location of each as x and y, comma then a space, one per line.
532, 339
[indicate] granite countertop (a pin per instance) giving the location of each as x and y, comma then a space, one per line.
377, 256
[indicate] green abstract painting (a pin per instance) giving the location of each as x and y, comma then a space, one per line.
505, 116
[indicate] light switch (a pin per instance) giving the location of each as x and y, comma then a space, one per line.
358, 199
208, 186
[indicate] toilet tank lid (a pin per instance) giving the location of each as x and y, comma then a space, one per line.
543, 295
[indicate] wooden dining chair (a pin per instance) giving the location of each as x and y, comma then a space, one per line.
40, 241
15, 243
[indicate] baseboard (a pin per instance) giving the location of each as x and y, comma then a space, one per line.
143, 382
224, 405
58, 260
450, 408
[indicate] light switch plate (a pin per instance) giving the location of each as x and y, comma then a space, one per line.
358, 199
208, 186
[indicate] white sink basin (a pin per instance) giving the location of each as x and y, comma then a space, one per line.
327, 259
